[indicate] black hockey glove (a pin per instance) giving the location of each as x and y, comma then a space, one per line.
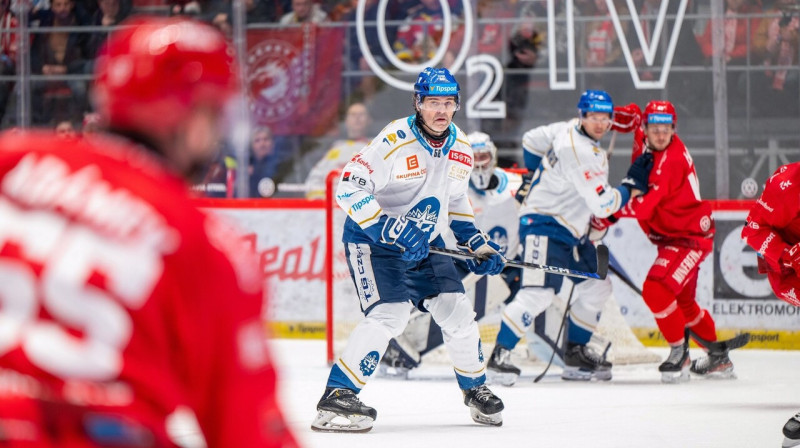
638, 173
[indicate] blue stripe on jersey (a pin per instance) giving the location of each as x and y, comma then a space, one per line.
451, 138
531, 160
463, 230
545, 225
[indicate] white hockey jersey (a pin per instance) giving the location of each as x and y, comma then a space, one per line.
399, 174
572, 182
340, 152
497, 211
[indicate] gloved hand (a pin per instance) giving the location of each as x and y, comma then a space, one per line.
598, 227
407, 236
489, 260
638, 173
791, 258
626, 118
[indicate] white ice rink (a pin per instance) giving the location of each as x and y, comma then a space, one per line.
634, 409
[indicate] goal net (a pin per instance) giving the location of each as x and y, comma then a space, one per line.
343, 311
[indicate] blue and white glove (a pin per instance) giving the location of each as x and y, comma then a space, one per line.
488, 260
406, 235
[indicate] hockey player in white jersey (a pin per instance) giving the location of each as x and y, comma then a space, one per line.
492, 193
570, 184
401, 193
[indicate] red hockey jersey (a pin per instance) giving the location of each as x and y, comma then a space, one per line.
126, 314
672, 210
773, 224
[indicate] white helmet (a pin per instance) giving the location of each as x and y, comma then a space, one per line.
484, 157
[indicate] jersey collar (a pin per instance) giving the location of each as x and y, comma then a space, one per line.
434, 152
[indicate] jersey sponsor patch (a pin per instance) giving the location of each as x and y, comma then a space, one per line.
457, 172
460, 157
600, 190
412, 162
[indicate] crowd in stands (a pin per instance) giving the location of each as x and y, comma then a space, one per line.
761, 35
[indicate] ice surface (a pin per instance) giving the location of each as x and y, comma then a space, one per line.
633, 410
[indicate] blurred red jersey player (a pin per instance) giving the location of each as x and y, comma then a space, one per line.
127, 316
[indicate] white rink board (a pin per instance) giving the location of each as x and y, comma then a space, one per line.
291, 245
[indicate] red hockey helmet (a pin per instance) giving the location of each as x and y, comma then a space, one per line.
151, 73
660, 112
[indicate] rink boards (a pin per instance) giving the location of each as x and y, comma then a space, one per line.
289, 237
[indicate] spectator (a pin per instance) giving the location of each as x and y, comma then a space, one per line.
66, 130
356, 122
92, 124
417, 41
109, 13
601, 47
8, 52
739, 31
776, 42
59, 53
304, 11
264, 163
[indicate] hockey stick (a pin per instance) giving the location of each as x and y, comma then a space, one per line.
558, 336
624, 278
602, 263
740, 340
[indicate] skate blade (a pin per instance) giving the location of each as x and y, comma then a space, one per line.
486, 419
501, 378
676, 377
726, 374
789, 443
328, 421
577, 374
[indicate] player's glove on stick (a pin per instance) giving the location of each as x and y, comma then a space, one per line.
407, 236
488, 260
790, 258
639, 171
598, 227
626, 118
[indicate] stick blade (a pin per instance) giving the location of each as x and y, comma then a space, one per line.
602, 261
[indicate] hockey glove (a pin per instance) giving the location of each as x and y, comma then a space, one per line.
488, 259
790, 258
407, 236
598, 227
626, 118
638, 173
525, 188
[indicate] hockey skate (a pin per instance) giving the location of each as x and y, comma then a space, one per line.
340, 410
397, 361
499, 369
791, 432
675, 369
484, 406
582, 364
714, 365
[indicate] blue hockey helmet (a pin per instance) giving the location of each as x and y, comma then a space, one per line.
436, 82
595, 101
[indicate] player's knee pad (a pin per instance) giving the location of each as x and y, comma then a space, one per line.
533, 300
452, 311
592, 295
658, 298
392, 317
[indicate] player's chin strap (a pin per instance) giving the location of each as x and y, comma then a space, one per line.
426, 130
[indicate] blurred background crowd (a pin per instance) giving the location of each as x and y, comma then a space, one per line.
314, 100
